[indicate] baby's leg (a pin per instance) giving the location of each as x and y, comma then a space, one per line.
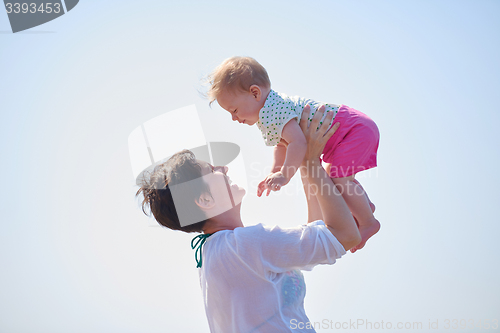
372, 206
359, 204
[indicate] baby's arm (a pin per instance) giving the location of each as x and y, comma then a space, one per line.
288, 156
295, 145
296, 149
279, 156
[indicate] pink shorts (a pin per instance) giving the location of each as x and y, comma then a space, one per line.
353, 148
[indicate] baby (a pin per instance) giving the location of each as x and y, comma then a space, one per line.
242, 87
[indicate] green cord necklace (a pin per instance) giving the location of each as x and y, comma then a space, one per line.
200, 239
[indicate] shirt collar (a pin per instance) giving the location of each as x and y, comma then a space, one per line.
267, 105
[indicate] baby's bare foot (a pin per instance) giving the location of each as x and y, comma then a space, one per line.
366, 232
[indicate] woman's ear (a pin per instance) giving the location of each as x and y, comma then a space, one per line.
205, 201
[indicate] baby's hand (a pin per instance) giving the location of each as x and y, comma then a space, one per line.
273, 182
276, 180
262, 187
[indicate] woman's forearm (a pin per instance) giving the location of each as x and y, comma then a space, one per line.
334, 210
313, 208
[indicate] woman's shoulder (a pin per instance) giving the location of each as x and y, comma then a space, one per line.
263, 232
238, 232
253, 232
274, 230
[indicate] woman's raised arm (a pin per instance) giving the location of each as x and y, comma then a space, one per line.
319, 188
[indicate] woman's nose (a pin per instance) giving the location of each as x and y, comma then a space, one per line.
223, 169
235, 117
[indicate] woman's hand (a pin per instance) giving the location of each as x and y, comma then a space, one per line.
316, 137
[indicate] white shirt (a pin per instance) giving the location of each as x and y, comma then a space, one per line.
251, 279
279, 109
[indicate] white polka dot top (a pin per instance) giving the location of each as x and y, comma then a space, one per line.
279, 109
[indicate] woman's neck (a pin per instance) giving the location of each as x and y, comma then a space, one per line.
228, 220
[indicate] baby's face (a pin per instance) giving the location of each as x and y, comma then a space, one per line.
244, 107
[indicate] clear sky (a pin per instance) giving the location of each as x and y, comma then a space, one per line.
78, 255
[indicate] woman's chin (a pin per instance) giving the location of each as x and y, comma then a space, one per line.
238, 192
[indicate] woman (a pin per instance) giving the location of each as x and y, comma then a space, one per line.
250, 276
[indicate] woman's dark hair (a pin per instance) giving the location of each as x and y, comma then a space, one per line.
180, 168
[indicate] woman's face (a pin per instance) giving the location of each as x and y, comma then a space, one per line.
226, 195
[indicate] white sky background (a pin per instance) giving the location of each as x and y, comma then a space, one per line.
78, 255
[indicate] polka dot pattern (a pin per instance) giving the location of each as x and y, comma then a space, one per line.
279, 109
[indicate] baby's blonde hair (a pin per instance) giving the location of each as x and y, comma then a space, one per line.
236, 73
